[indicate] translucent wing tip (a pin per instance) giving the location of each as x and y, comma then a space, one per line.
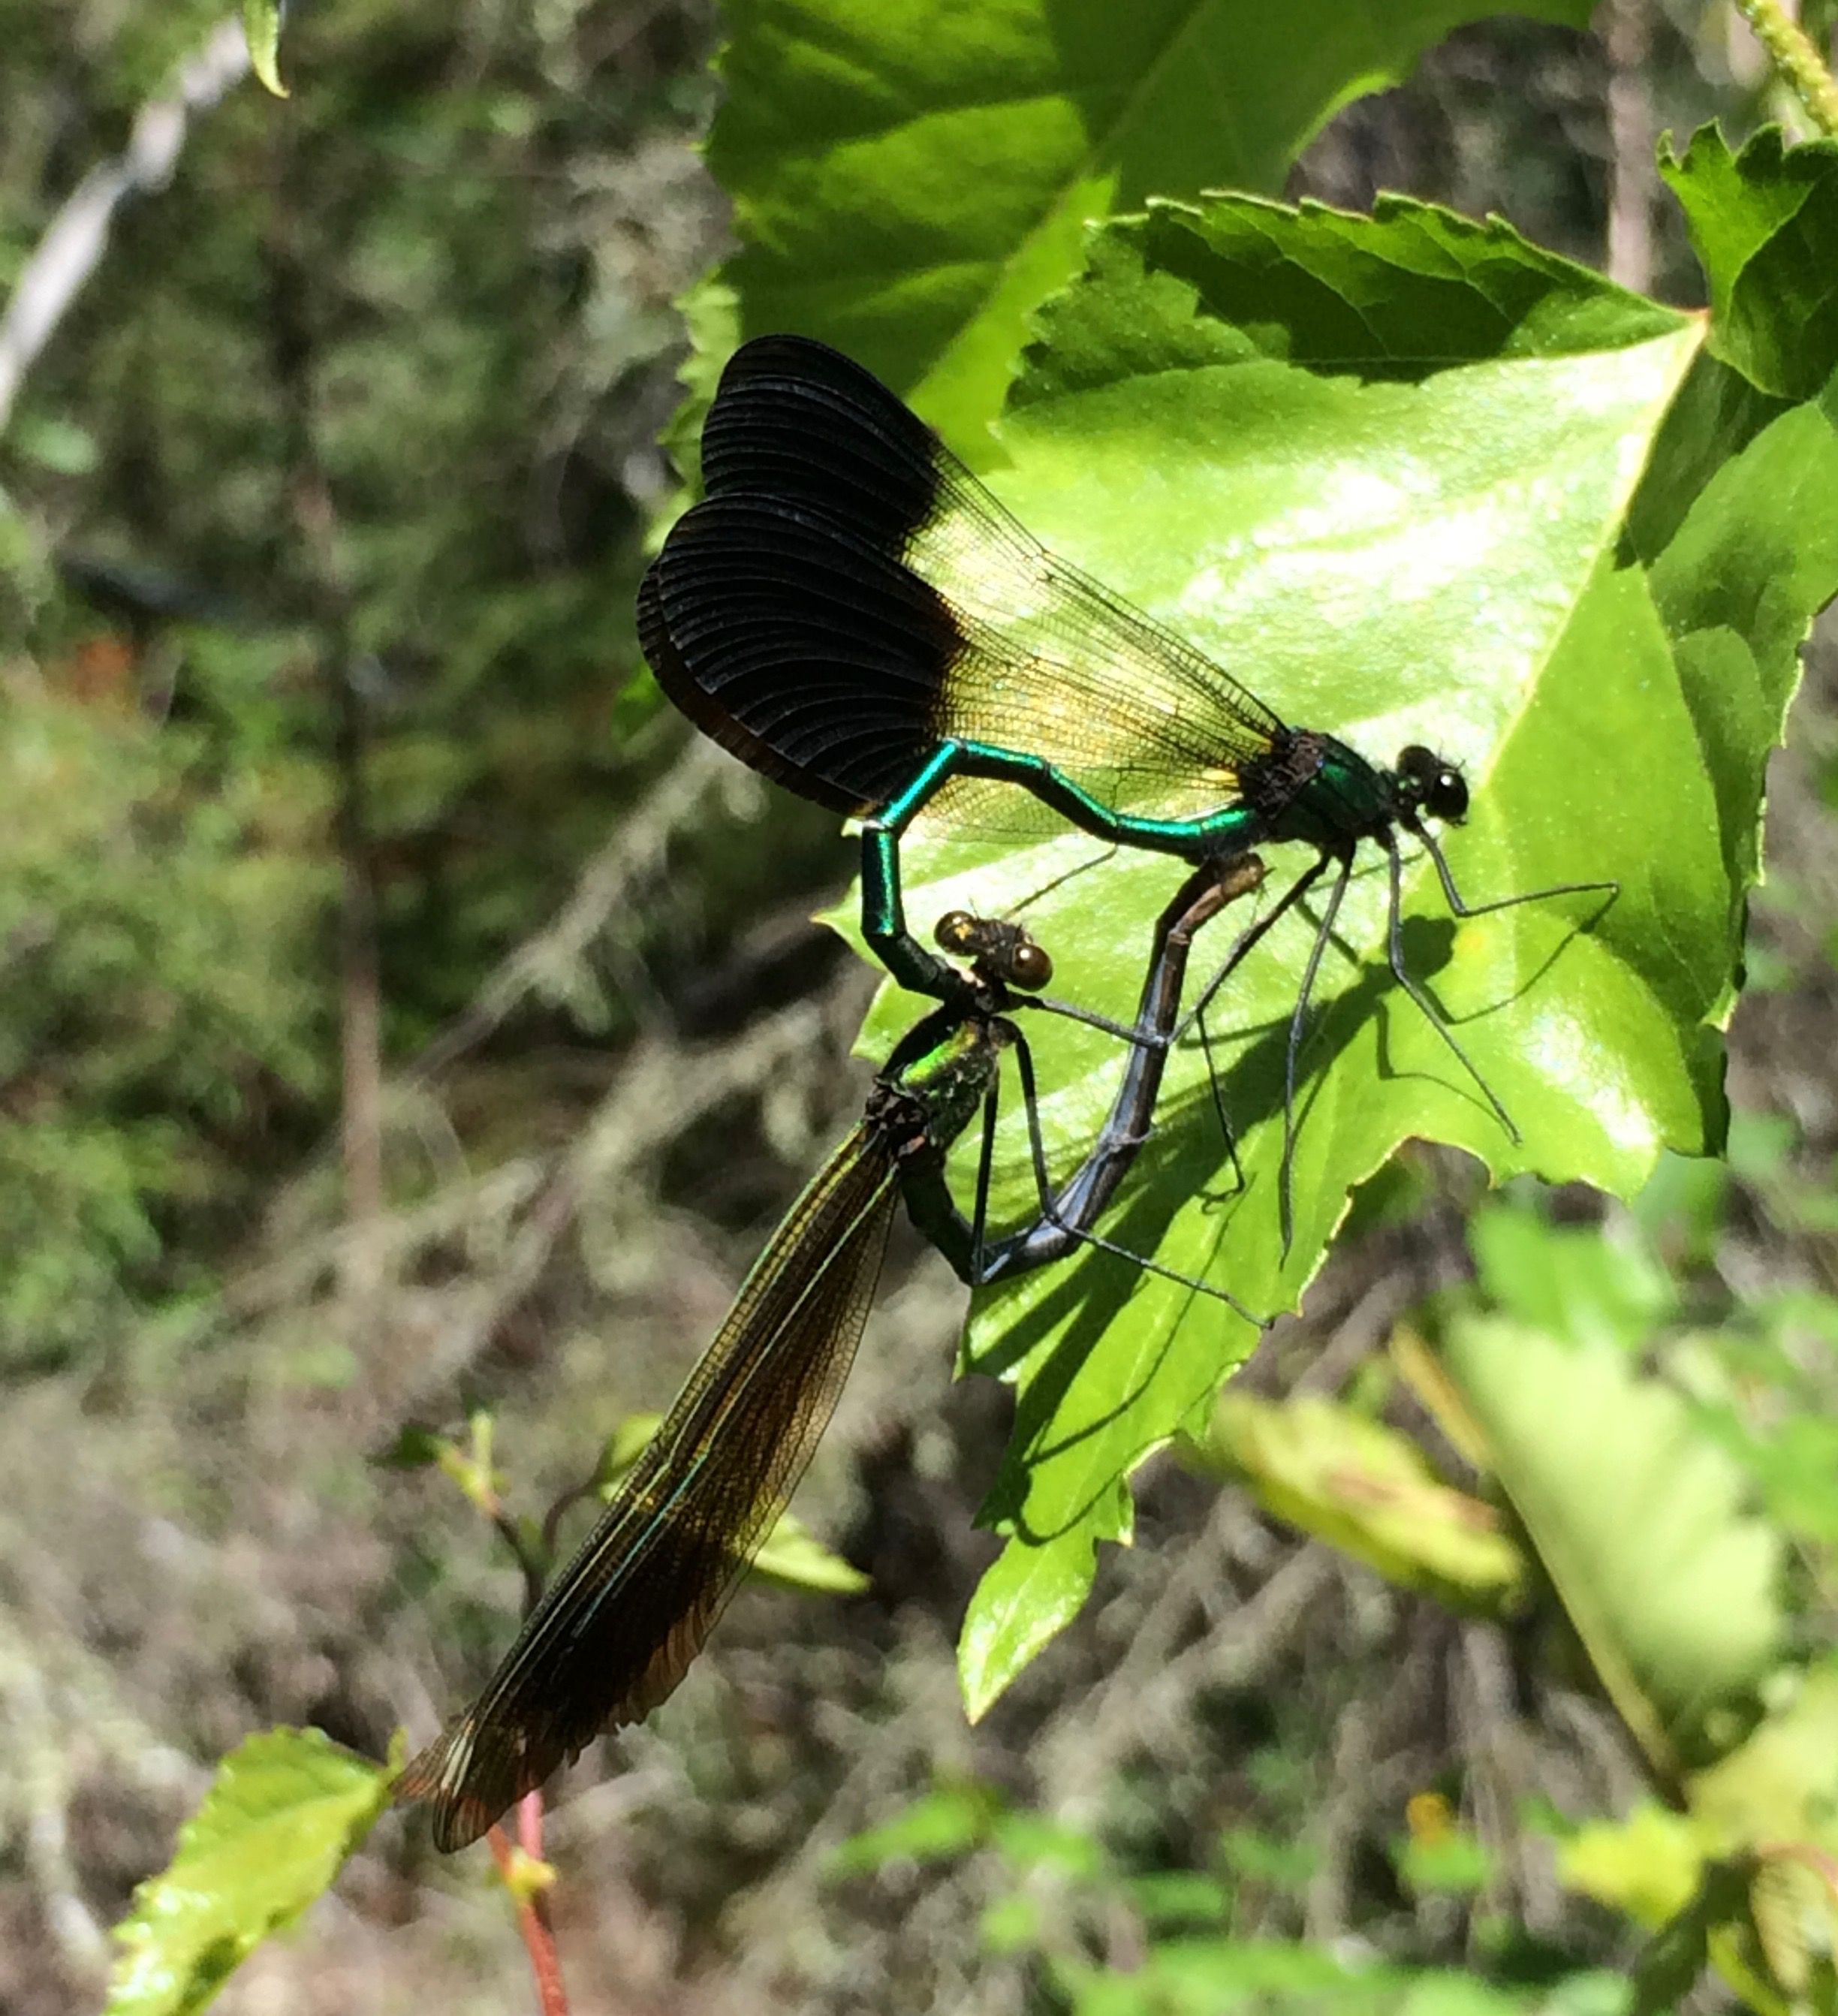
468, 1784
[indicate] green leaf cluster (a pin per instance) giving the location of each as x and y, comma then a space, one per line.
911, 183
1656, 1494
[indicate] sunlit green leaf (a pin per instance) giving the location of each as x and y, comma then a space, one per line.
911, 181
795, 1558
285, 1810
1764, 224
1439, 530
1413, 543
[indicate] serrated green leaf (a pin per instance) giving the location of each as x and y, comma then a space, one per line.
910, 182
1765, 225
1634, 1512
261, 24
285, 1812
1735, 520
1367, 1490
1538, 622
1394, 550
1029, 1596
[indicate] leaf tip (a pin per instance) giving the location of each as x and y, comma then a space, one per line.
261, 27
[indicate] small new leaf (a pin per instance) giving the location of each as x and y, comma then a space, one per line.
795, 1558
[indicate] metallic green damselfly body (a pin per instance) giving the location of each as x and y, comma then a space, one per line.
619, 1626
853, 614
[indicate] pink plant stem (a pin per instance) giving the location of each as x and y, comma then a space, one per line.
533, 1918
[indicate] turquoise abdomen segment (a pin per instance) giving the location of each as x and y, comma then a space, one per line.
1225, 830
1221, 830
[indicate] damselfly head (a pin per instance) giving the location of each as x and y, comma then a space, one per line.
1002, 952
1426, 782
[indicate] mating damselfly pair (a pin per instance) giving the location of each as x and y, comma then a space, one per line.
853, 614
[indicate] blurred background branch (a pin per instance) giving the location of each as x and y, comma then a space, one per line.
74, 245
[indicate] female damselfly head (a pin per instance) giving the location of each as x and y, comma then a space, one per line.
999, 950
1427, 782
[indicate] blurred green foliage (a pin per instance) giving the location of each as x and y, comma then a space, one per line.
430, 290
159, 914
1105, 1938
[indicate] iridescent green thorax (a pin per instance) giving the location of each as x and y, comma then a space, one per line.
1313, 788
930, 1100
